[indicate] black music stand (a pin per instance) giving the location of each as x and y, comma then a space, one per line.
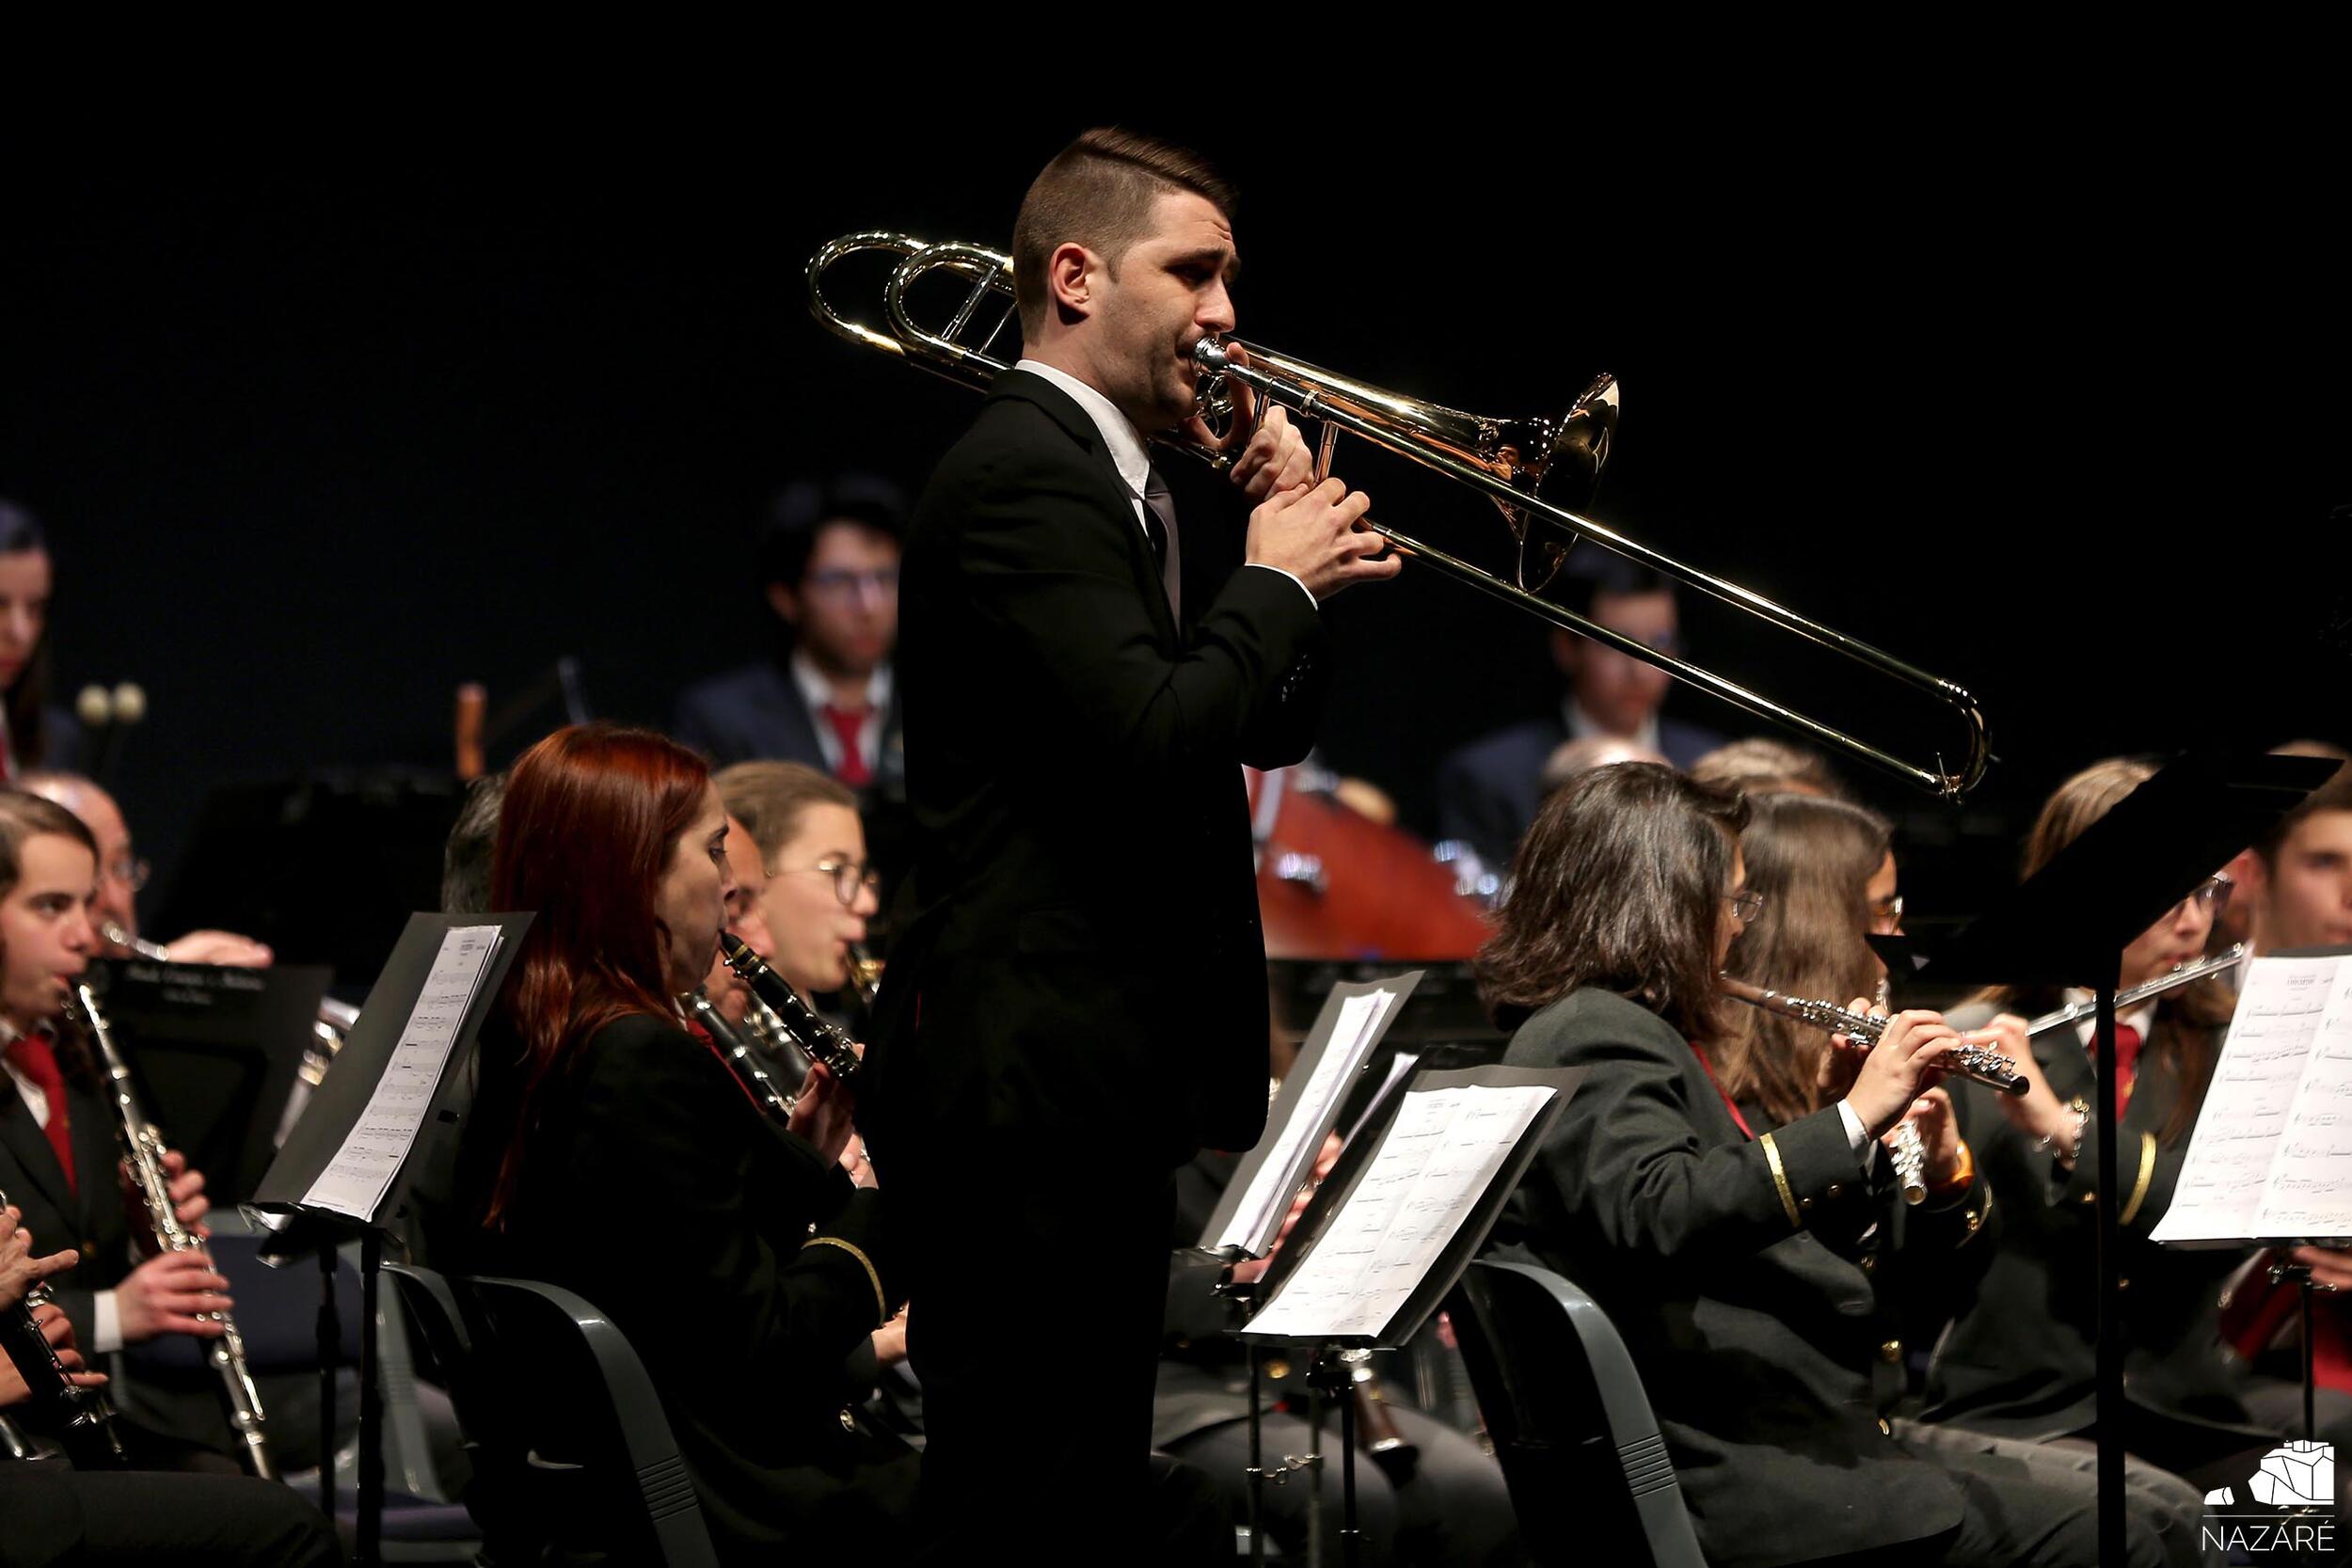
298, 1225
216, 1050
1330, 1380
2069, 925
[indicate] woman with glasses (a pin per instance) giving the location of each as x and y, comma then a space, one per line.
1729, 1257
817, 888
614, 1153
2020, 1357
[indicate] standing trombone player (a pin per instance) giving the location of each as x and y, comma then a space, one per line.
1078, 1001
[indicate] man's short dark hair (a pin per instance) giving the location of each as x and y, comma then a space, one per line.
1098, 192
802, 509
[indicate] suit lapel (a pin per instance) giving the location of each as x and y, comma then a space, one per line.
1118, 502
29, 1145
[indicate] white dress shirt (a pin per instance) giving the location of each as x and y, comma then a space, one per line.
1126, 443
818, 692
1581, 725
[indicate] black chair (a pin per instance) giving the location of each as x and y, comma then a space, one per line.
1579, 1449
572, 1458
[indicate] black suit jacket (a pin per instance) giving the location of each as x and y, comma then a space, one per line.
1487, 791
743, 1323
1084, 941
758, 712
1758, 1336
163, 1391
2021, 1358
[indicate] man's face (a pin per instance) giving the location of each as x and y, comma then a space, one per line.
1169, 292
847, 604
45, 932
1618, 691
117, 865
2310, 884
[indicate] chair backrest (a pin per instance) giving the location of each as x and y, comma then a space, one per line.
1579, 1448
576, 1432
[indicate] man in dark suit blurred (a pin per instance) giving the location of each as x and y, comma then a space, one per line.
1487, 791
1079, 1000
829, 566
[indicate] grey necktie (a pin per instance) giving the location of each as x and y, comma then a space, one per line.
1159, 514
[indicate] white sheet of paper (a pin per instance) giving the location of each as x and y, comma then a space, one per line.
2276, 1129
1438, 1158
354, 1179
1288, 1160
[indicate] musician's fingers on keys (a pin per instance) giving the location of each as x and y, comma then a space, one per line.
168, 1294
187, 1191
1906, 1060
1277, 458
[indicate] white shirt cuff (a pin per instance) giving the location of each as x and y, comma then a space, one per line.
1857, 1135
1293, 575
105, 1327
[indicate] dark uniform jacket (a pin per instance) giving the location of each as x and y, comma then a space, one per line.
654, 1187
1084, 955
2020, 1358
169, 1389
1733, 1269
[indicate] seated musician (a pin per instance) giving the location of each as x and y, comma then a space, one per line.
1826, 873
122, 874
616, 1154
32, 733
60, 1163
815, 889
1729, 1262
2020, 1359
50, 1514
1759, 765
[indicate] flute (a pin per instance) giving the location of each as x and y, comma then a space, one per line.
2171, 979
1969, 1059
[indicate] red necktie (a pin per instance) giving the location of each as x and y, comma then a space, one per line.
37, 1058
2126, 1064
848, 723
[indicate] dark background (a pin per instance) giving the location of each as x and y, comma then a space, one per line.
322, 428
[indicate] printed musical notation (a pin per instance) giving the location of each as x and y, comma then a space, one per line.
2271, 1159
1291, 1154
355, 1179
1436, 1160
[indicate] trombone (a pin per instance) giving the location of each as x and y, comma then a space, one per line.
1509, 461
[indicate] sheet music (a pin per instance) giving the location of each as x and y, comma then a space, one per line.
2272, 1152
1288, 1160
1438, 1158
354, 1182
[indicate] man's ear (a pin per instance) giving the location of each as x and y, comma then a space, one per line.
1070, 275
2251, 879
785, 602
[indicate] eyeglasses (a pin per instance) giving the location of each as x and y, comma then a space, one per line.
1745, 904
131, 872
849, 878
1887, 910
839, 583
2212, 895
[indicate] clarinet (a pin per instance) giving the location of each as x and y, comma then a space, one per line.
822, 1041
82, 1418
143, 1150
749, 1069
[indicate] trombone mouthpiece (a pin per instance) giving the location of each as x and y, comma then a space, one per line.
1210, 355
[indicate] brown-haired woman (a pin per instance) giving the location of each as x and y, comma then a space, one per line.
622, 1159
1727, 1262
2020, 1359
817, 888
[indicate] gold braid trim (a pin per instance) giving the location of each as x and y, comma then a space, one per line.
882, 1302
1780, 1181
2147, 1174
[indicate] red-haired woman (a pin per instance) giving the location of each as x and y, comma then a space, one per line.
620, 1158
